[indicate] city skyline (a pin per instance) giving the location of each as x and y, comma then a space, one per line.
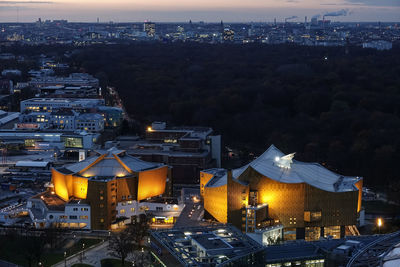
208, 11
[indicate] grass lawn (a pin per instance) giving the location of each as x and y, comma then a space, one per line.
380, 207
12, 251
114, 263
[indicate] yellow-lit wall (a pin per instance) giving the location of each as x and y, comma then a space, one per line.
67, 185
60, 184
285, 201
238, 199
288, 202
204, 178
216, 202
152, 182
80, 186
359, 185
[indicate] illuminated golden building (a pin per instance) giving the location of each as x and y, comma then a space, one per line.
106, 179
306, 198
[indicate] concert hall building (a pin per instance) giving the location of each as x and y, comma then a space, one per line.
102, 187
306, 200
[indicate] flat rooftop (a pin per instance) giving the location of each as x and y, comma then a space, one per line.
210, 241
62, 100
223, 243
52, 201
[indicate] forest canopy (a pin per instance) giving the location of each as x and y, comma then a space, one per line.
338, 106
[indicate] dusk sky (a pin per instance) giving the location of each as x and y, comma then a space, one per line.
196, 10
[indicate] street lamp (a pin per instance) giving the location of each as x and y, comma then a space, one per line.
380, 223
65, 259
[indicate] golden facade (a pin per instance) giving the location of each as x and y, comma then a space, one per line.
303, 205
110, 178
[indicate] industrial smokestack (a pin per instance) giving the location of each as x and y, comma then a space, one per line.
289, 18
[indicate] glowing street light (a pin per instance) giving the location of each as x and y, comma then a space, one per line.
380, 223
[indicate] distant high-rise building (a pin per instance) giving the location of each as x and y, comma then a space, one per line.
149, 28
228, 35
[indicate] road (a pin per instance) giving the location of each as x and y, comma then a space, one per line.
191, 215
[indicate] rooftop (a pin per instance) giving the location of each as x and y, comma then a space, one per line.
222, 244
275, 165
109, 163
63, 100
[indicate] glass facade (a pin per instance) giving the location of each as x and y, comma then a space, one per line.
333, 231
75, 142
313, 233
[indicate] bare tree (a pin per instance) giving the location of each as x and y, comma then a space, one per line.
121, 245
138, 229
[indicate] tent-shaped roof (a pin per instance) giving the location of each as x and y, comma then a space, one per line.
280, 167
110, 163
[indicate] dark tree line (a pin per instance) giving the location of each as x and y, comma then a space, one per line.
338, 106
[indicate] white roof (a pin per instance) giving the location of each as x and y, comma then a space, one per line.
26, 163
110, 165
268, 164
11, 116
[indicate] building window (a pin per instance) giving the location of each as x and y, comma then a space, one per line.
83, 217
122, 211
101, 205
101, 220
84, 209
101, 197
132, 209
159, 209
73, 217
144, 208
75, 209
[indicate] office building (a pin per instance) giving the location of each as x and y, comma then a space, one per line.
50, 104
113, 116
68, 91
62, 119
74, 79
309, 200
186, 149
149, 28
31, 138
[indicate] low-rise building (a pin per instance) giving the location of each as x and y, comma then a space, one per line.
74, 79
220, 245
187, 149
53, 104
